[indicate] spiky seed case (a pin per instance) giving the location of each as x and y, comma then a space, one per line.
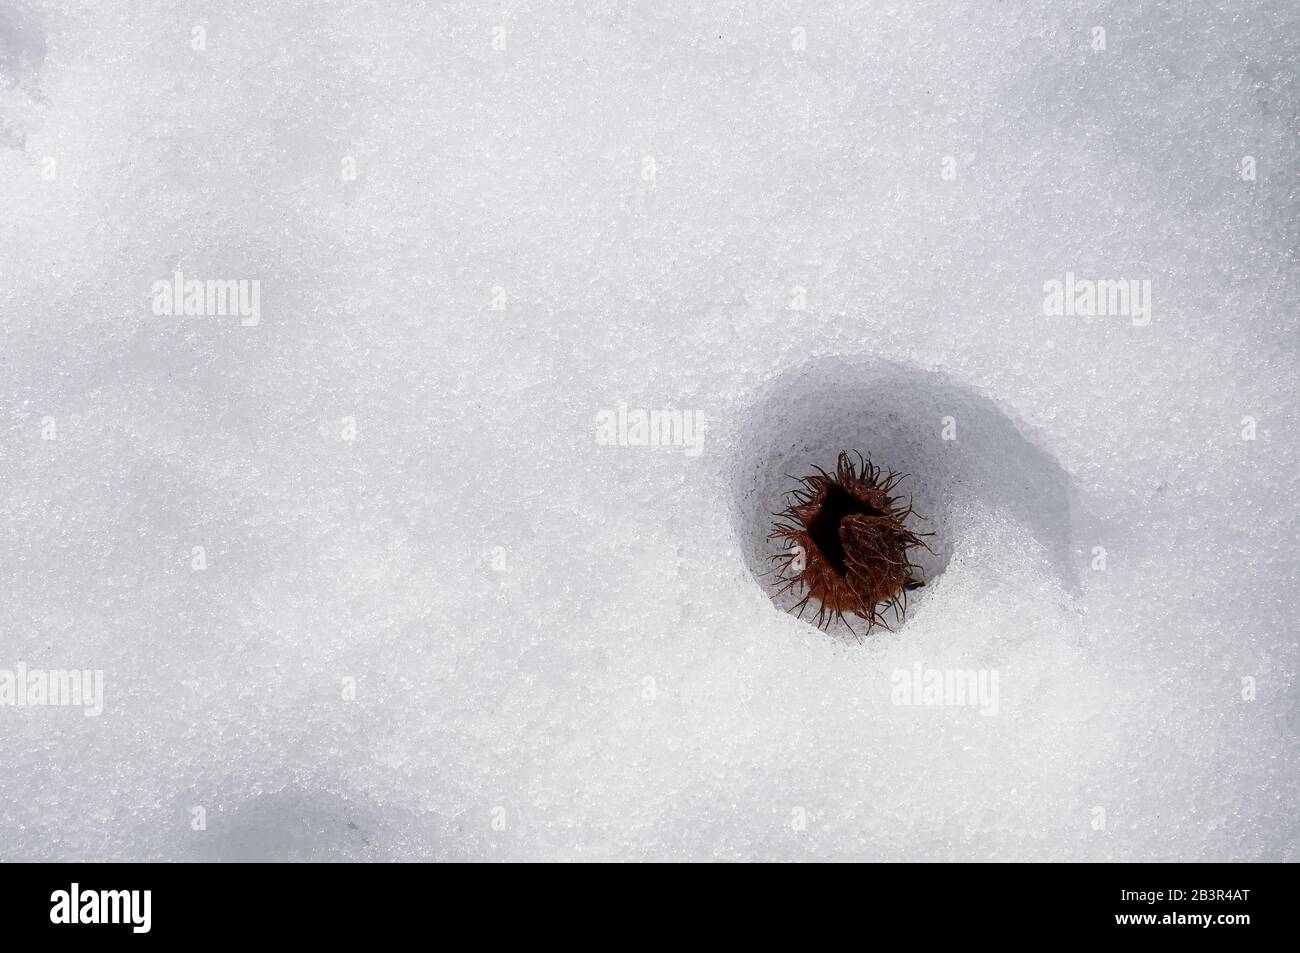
847, 544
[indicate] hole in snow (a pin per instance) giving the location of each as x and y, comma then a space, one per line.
955, 444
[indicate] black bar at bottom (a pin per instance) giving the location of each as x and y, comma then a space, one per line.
334, 903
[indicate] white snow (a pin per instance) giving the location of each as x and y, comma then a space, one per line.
558, 648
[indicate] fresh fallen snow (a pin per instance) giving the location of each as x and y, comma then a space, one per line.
437, 618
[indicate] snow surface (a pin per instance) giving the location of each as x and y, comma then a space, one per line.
562, 649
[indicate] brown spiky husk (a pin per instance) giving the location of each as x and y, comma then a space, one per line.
854, 543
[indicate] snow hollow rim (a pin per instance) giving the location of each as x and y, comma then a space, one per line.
896, 414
